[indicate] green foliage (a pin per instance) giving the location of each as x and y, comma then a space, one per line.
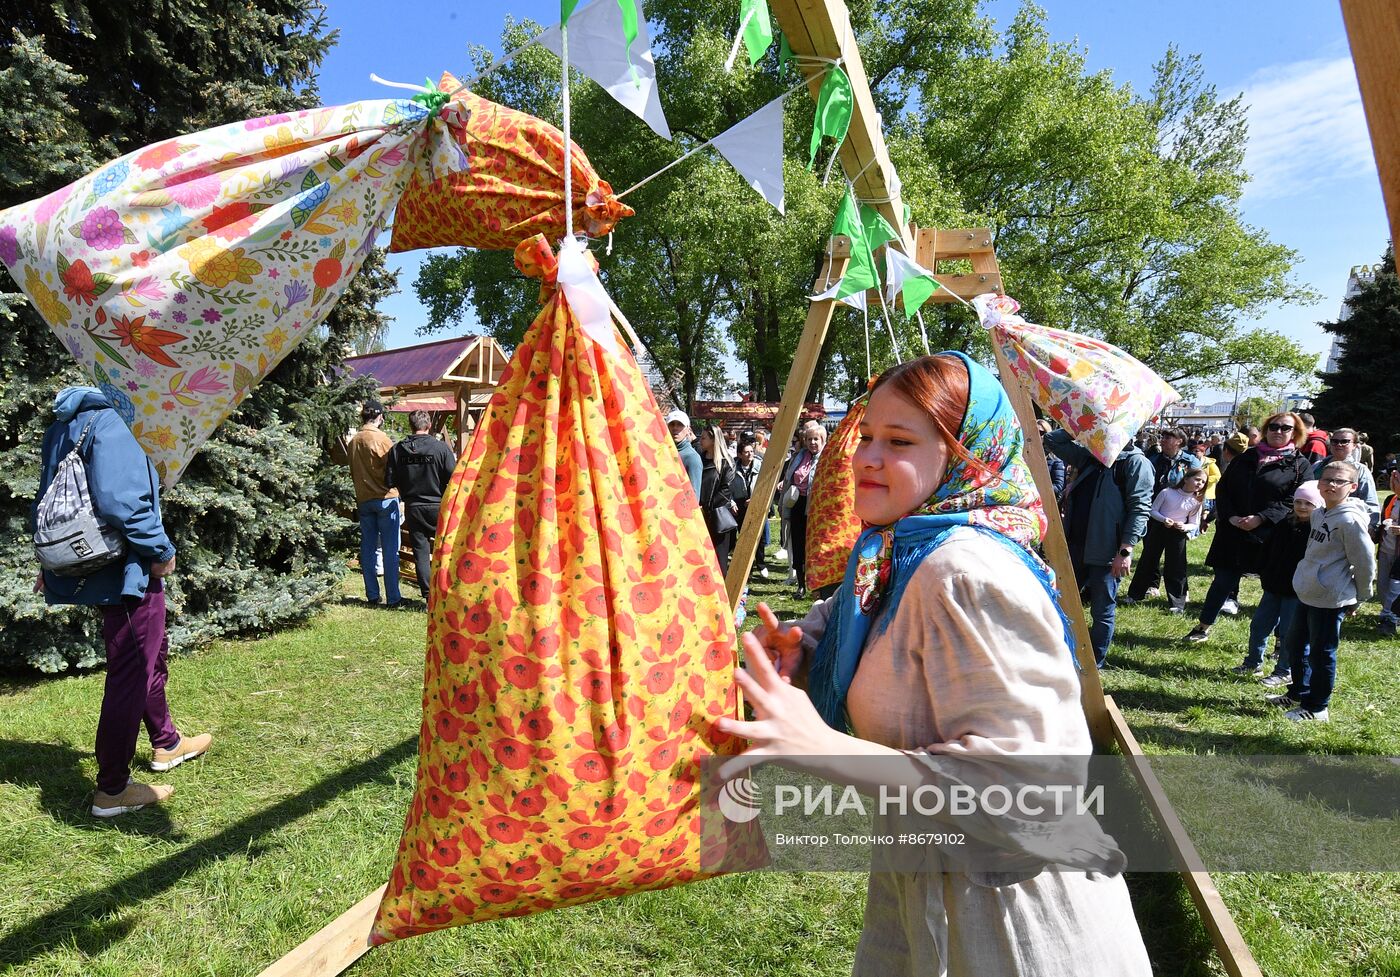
1116, 214
1253, 410
253, 518
1356, 394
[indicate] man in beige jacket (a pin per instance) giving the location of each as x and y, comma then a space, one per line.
378, 504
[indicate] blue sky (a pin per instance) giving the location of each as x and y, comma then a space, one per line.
1315, 187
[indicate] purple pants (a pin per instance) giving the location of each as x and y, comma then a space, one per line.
134, 631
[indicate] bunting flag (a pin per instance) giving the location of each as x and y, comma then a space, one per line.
1094, 390
877, 230
609, 42
905, 277
835, 102
754, 147
179, 275
566, 7
867, 230
757, 29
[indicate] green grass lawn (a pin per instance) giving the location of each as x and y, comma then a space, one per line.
295, 815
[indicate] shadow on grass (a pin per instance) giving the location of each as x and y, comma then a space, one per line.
80, 921
1176, 939
66, 794
1267, 744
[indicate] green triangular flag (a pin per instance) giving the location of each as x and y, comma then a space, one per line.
860, 270
758, 28
566, 7
877, 230
784, 50
835, 103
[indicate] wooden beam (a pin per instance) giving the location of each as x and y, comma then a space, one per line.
1215, 915
1373, 29
1056, 549
804, 366
335, 947
822, 29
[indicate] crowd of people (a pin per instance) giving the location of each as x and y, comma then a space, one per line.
1295, 505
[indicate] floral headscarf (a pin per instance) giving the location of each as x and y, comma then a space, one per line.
994, 494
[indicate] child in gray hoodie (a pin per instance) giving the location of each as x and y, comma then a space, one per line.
1335, 576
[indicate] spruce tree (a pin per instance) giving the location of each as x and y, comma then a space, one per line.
1356, 394
255, 517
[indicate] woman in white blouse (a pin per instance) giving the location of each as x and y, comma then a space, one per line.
946, 641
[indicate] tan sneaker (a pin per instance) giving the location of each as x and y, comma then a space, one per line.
188, 748
133, 798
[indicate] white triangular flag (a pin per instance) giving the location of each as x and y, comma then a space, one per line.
598, 48
585, 293
855, 300
902, 274
754, 147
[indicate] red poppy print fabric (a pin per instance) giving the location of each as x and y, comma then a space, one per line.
580, 649
832, 525
514, 191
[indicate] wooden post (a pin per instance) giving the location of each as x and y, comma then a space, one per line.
1215, 915
336, 946
1056, 548
1373, 30
804, 365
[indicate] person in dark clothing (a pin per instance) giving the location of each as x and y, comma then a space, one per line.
1251, 498
420, 466
1315, 441
717, 506
1105, 516
1274, 615
1169, 466
1172, 463
741, 490
1059, 471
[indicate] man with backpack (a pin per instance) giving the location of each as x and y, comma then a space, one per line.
102, 543
1106, 512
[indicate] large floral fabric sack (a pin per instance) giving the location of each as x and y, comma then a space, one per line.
514, 188
832, 524
1097, 392
179, 275
580, 649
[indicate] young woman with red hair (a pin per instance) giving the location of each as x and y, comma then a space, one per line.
946, 644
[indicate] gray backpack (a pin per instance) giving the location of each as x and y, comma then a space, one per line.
70, 538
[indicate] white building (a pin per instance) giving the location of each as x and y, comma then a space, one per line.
1360, 275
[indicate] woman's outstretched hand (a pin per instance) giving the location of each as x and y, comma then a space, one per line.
785, 724
783, 647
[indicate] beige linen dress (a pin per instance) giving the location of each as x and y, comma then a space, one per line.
975, 663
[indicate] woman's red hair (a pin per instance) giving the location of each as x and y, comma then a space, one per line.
938, 386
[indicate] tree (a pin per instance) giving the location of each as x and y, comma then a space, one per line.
1356, 393
253, 518
1251, 411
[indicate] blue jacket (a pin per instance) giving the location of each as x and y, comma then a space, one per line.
125, 493
1116, 518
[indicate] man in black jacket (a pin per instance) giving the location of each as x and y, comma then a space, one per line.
419, 466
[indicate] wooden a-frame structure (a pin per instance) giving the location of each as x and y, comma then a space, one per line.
821, 29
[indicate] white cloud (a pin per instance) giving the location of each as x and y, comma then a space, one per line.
1306, 128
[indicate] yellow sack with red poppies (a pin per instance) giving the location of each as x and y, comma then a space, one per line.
832, 524
580, 649
512, 189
